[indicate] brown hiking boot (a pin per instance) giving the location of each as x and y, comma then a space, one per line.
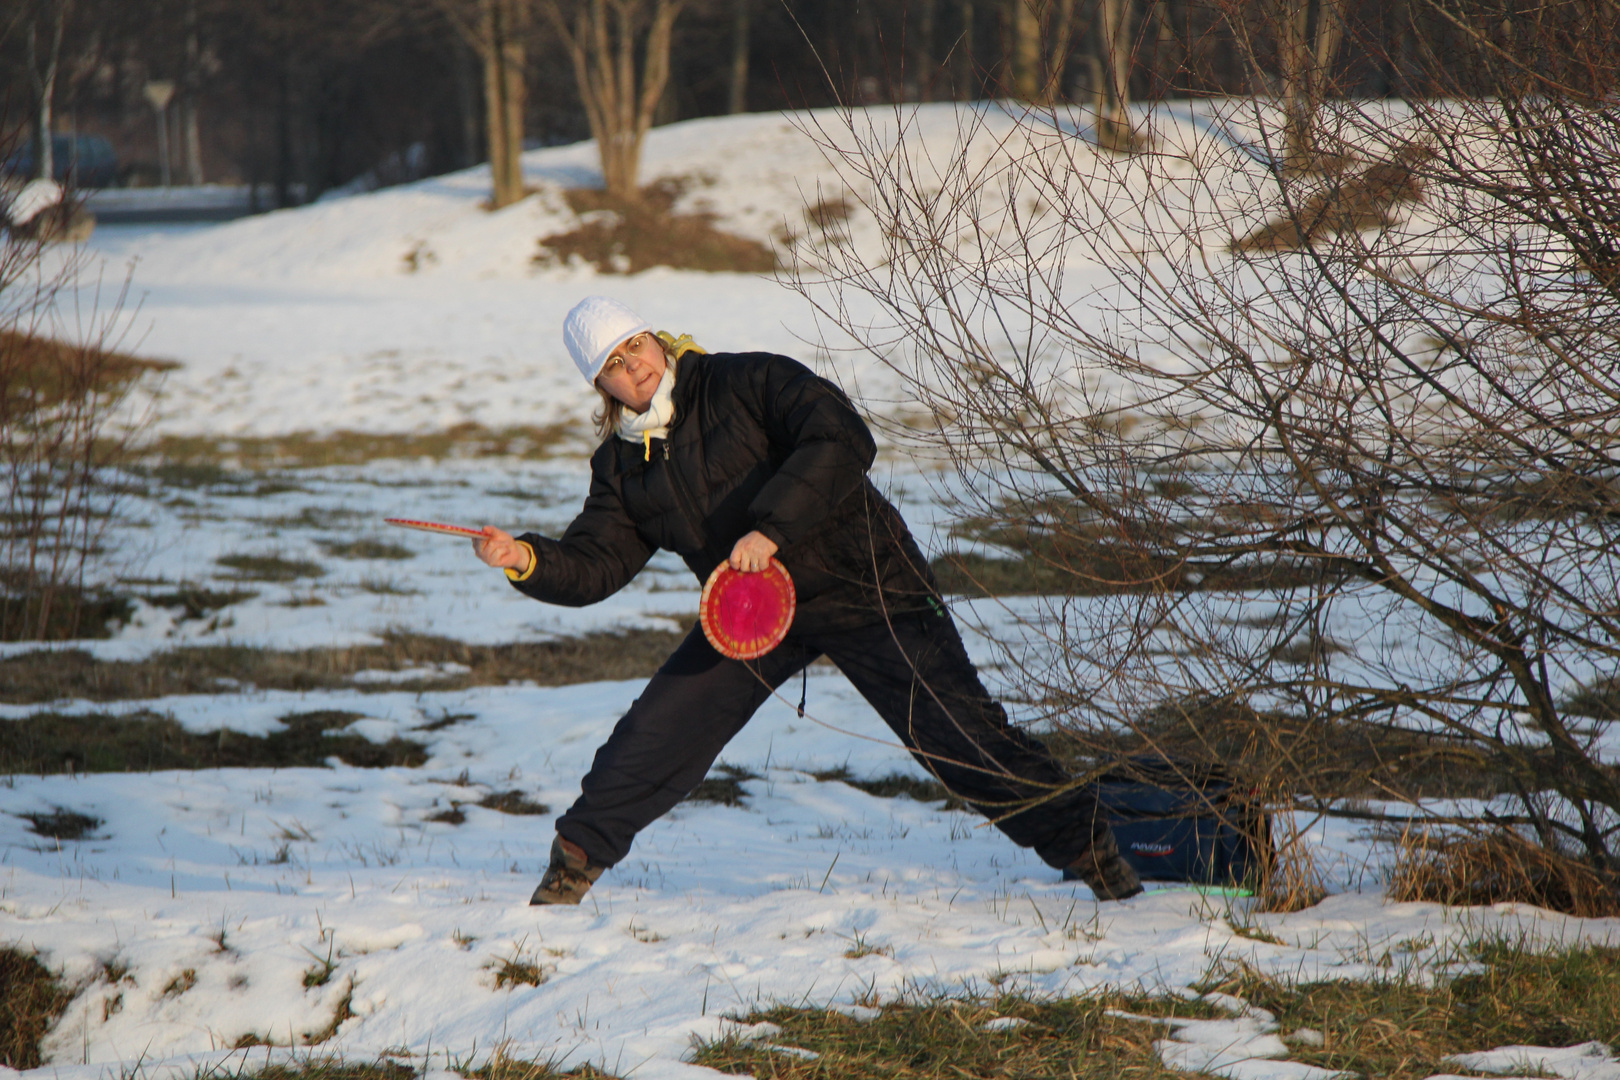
568, 878
1104, 870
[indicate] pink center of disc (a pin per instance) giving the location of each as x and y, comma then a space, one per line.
750, 607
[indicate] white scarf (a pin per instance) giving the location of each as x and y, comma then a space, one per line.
654, 423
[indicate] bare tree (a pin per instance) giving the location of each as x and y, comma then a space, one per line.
603, 38
1318, 478
498, 33
43, 35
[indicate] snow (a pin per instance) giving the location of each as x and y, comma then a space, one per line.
213, 895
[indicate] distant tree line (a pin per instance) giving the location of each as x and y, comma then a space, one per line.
307, 95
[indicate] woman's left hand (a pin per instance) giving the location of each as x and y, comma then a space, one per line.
752, 553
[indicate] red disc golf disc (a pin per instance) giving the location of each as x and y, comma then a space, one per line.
746, 615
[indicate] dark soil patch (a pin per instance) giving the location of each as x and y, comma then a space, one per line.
1344, 204
48, 743
34, 677
31, 1001
62, 824
198, 603
627, 236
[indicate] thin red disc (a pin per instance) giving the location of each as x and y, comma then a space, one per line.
746, 615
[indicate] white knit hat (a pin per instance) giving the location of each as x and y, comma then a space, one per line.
595, 327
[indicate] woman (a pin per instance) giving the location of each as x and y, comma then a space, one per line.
738, 458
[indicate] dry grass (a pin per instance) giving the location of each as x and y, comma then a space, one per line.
269, 568
35, 677
1601, 700
62, 824
502, 1067
724, 789
174, 454
896, 785
1074, 1038
627, 236
1344, 204
1403, 1029
47, 743
1496, 867
42, 371
1324, 761
31, 1000
75, 612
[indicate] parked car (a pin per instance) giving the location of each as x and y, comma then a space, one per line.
86, 161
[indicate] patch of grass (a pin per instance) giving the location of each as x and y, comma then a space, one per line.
1403, 1030
180, 983
269, 567
41, 372
513, 802
502, 1067
1344, 203
1500, 867
724, 789
322, 1067
381, 586
366, 548
200, 455
627, 236
1105, 568
32, 609
453, 816
1320, 760
516, 970
62, 824
343, 1010
31, 1001
198, 603
47, 743
1601, 700
896, 785
34, 677
1074, 1038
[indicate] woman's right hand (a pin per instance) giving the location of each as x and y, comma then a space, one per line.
498, 549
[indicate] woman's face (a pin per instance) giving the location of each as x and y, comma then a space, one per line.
633, 371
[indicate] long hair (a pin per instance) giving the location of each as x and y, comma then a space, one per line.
607, 418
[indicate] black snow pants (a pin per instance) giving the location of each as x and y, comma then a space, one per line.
914, 672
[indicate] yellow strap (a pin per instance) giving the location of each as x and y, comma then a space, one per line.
646, 441
680, 346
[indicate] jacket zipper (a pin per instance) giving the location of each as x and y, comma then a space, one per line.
683, 499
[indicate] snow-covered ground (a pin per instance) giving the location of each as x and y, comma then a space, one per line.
211, 895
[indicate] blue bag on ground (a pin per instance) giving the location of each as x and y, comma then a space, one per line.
1178, 821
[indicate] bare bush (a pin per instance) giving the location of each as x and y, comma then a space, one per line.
63, 385
1352, 492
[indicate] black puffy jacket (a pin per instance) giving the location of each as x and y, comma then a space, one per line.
759, 442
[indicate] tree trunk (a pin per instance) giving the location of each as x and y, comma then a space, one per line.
603, 52
967, 72
1112, 28
1028, 79
739, 56
54, 14
190, 136
501, 48
1057, 60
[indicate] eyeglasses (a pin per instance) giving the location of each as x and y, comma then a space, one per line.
616, 360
